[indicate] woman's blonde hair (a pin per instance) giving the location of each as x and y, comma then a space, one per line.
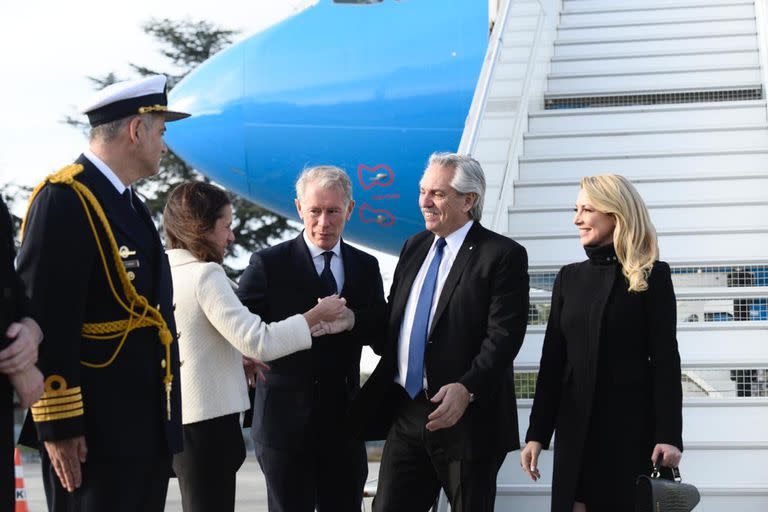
634, 237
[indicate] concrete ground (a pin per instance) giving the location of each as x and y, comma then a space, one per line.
251, 490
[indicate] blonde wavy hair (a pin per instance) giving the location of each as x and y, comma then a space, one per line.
634, 237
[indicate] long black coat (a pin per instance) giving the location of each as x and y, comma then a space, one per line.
476, 332
609, 380
13, 306
122, 407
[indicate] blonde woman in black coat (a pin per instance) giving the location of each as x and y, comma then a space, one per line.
609, 379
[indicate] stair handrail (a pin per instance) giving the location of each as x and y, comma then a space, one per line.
761, 20
480, 98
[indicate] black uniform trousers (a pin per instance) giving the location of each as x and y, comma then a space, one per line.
415, 467
213, 452
7, 472
125, 485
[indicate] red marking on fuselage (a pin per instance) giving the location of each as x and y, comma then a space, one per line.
377, 182
381, 217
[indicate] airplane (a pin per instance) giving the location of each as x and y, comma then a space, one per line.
372, 86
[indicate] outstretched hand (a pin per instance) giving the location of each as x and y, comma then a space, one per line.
344, 322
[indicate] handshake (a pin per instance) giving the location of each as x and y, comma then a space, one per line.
330, 316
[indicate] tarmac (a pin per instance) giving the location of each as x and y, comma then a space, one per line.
251, 489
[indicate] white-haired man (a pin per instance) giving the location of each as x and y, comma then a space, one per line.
443, 393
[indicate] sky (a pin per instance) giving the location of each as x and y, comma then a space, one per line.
50, 48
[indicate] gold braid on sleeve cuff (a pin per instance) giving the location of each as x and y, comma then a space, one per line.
58, 402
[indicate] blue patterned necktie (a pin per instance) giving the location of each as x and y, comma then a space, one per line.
326, 276
414, 379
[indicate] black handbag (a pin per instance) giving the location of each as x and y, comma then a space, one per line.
656, 494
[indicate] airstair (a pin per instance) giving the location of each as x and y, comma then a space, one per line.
671, 94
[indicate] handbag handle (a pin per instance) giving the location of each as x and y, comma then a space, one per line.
657, 470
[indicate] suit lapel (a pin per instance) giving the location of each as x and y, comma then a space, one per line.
466, 252
122, 218
305, 266
412, 266
349, 269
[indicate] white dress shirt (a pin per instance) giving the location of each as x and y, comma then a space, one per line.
337, 264
105, 170
453, 243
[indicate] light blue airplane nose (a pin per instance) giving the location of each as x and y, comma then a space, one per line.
212, 138
373, 89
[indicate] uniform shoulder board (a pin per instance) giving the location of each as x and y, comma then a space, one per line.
66, 174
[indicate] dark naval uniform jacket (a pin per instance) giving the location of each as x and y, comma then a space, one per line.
120, 407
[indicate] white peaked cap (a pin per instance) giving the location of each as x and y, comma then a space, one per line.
132, 97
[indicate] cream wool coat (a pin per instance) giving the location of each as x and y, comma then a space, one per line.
215, 330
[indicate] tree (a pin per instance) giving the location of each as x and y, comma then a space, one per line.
186, 44
11, 193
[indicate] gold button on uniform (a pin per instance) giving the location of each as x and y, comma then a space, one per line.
131, 276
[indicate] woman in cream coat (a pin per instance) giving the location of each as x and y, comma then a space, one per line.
217, 338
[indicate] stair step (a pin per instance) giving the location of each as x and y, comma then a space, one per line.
666, 14
536, 497
650, 43
676, 28
703, 244
639, 117
680, 215
571, 5
656, 80
600, 98
645, 164
726, 187
613, 6
694, 467
660, 139
652, 61
732, 348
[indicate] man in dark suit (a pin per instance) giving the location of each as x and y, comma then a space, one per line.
443, 393
307, 460
100, 286
19, 338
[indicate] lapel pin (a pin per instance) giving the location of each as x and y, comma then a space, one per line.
125, 252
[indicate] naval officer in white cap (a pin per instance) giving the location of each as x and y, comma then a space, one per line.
100, 286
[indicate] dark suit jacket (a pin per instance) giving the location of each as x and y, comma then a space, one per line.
307, 393
13, 306
14, 303
476, 332
124, 404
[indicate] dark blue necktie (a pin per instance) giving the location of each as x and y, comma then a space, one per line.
326, 276
128, 199
414, 379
